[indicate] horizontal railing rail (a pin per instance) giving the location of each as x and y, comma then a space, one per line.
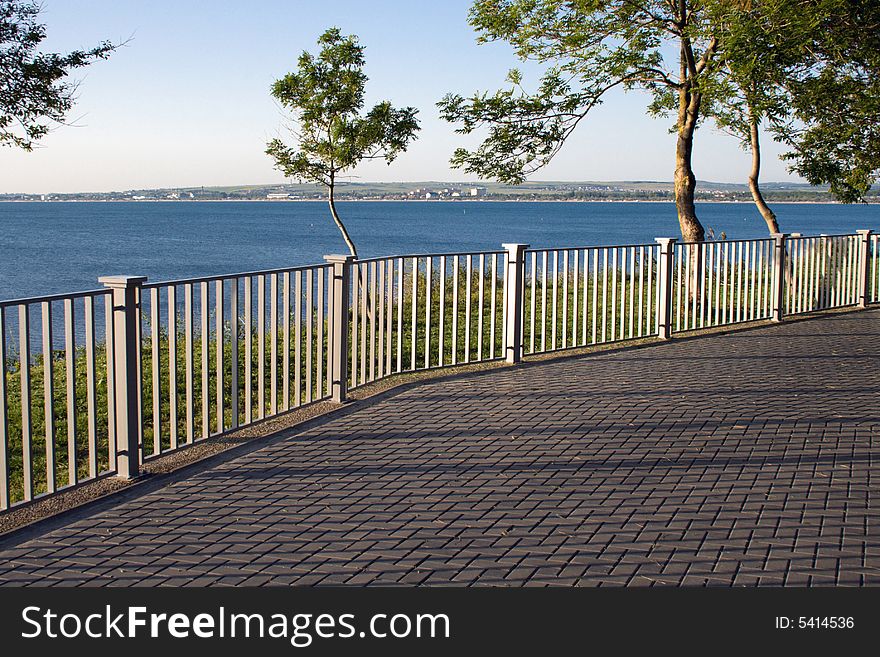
99, 382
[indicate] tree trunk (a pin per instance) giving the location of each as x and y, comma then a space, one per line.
754, 187
685, 181
338, 221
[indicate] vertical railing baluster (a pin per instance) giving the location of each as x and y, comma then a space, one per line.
220, 386
172, 364
455, 266
467, 307
285, 358
575, 306
441, 316
379, 285
261, 346
233, 353
555, 303
248, 351
320, 273
5, 495
48, 399
604, 295
70, 384
756, 278
544, 257
614, 263
156, 356
400, 292
702, 275
710, 301
109, 348
492, 305
24, 370
365, 317
747, 277
564, 299
429, 284
297, 330
91, 386
632, 291
355, 322
480, 305
4, 418
273, 337
204, 310
533, 301
190, 361
651, 296
696, 263
372, 303
414, 313
123, 459
585, 283
679, 260
310, 348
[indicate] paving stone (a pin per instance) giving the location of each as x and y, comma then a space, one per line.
742, 459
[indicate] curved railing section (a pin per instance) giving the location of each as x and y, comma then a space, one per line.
100, 382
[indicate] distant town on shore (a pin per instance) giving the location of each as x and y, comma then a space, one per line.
457, 191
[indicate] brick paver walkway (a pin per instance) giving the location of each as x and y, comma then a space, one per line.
746, 458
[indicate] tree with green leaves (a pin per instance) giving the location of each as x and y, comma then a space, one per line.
35, 91
763, 42
810, 71
590, 47
326, 96
835, 131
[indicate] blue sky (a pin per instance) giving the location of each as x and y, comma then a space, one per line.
187, 101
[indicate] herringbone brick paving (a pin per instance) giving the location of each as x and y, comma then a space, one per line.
740, 459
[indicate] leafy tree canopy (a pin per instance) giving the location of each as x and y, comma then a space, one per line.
34, 88
326, 96
811, 70
835, 134
590, 47
331, 136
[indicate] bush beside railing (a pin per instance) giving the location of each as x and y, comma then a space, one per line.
206, 356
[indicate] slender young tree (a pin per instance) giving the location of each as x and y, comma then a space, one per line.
326, 96
35, 91
590, 48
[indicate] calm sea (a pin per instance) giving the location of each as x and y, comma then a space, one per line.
64, 247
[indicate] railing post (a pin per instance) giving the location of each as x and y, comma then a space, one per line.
664, 286
864, 266
126, 351
513, 313
338, 325
779, 266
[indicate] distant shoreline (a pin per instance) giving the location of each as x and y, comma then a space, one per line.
421, 200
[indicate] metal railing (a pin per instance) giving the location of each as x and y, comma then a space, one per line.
722, 283
873, 268
99, 382
221, 352
420, 312
581, 296
56, 383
